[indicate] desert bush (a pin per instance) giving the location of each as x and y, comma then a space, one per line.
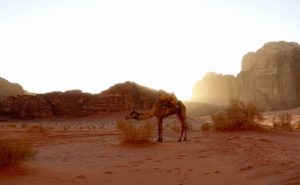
237, 116
37, 129
285, 122
11, 125
24, 125
135, 133
205, 126
13, 152
297, 125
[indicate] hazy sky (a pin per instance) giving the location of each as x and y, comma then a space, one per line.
91, 45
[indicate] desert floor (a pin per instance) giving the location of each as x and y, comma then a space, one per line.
89, 152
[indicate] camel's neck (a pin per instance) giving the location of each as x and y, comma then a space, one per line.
146, 115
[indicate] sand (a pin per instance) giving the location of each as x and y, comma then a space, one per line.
88, 154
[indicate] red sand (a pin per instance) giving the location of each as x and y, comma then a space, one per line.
95, 156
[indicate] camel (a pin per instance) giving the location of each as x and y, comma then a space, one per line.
165, 105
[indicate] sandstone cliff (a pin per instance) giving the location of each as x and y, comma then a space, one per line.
9, 89
124, 96
269, 77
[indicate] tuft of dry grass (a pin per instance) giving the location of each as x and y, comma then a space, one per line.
284, 123
37, 129
205, 126
11, 125
135, 133
237, 116
24, 125
13, 152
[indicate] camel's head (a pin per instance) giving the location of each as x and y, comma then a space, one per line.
133, 115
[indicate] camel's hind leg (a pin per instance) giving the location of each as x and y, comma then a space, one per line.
183, 127
160, 127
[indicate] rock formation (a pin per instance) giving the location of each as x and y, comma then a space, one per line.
75, 103
9, 89
269, 77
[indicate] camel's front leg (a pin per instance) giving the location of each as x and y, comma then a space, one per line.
159, 124
184, 127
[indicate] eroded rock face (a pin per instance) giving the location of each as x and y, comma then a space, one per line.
270, 77
215, 89
9, 89
75, 103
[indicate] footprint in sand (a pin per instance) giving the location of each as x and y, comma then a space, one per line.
246, 168
157, 169
80, 177
136, 163
121, 166
214, 172
108, 172
202, 156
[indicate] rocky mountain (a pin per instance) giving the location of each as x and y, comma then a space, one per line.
269, 77
9, 89
75, 103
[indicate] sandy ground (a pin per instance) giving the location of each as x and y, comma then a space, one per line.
80, 153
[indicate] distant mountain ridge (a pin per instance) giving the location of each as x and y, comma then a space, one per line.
269, 77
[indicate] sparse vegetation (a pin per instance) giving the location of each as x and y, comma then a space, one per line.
237, 116
285, 122
37, 129
24, 125
135, 133
205, 126
13, 152
11, 125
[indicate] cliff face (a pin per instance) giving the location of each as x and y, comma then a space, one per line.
75, 103
9, 89
269, 77
215, 89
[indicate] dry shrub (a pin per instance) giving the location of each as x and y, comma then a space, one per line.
135, 133
297, 126
24, 125
237, 116
205, 126
285, 122
36, 129
13, 152
11, 125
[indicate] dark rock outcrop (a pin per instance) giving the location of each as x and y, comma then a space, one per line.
75, 103
9, 89
269, 77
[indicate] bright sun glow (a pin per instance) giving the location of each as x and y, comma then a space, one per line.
91, 45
